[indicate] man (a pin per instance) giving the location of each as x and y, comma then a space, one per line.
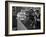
30, 19
37, 19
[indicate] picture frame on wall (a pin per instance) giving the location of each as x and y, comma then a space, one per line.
24, 18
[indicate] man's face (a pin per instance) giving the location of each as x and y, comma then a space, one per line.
21, 15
